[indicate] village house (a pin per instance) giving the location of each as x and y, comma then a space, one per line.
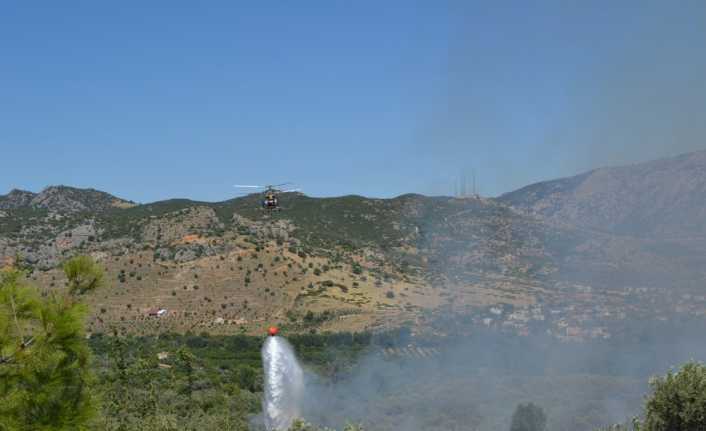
156, 312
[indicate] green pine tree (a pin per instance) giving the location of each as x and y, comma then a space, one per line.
83, 274
186, 363
45, 379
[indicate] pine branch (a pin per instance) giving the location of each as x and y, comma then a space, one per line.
10, 359
17, 322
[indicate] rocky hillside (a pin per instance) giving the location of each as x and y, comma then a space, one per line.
353, 263
348, 262
16, 199
661, 199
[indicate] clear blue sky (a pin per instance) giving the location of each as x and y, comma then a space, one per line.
159, 99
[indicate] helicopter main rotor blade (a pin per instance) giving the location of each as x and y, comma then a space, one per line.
291, 190
242, 186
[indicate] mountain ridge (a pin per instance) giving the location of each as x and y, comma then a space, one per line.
663, 198
368, 261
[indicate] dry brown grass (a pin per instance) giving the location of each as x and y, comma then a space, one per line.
211, 294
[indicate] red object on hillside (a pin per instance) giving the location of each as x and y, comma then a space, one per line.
272, 331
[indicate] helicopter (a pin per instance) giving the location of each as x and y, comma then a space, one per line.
270, 199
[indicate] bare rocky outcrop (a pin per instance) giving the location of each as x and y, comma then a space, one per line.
278, 229
185, 226
16, 199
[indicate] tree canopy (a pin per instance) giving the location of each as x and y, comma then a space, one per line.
45, 377
678, 401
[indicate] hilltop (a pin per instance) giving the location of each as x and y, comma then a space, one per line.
63, 199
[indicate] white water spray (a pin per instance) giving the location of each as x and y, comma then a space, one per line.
284, 384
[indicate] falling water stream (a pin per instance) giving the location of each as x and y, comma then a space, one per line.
284, 384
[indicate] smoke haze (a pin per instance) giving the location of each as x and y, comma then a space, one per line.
631, 94
475, 383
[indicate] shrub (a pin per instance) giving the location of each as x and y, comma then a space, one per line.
678, 401
528, 417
